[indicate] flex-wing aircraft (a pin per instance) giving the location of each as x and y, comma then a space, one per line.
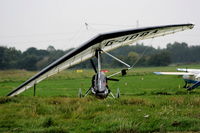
101, 43
190, 76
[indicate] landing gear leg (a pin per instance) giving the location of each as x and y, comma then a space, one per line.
112, 94
186, 85
87, 92
34, 88
118, 93
80, 93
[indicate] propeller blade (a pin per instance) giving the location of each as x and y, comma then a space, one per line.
112, 79
93, 66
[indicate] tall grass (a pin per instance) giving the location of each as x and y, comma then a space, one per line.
149, 103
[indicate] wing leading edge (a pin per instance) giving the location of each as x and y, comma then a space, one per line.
196, 71
106, 42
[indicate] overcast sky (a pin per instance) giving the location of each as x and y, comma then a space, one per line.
61, 23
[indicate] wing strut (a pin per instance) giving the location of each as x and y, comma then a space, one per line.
117, 59
34, 93
123, 71
98, 52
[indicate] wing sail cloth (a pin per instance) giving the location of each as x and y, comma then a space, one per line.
105, 42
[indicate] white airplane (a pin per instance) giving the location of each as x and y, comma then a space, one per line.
190, 76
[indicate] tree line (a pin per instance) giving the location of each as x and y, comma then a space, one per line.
139, 55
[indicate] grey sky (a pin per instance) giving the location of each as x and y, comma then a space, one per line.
39, 23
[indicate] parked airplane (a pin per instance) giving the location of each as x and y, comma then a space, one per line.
102, 43
190, 76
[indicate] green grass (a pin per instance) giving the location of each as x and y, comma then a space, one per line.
149, 103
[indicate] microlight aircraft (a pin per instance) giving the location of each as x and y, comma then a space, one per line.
190, 76
102, 43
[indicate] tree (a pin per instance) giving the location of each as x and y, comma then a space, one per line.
160, 59
29, 62
3, 64
36, 59
13, 57
132, 58
9, 58
178, 52
51, 48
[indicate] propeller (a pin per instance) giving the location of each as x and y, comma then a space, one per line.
112, 79
93, 66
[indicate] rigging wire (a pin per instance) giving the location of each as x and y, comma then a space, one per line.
75, 35
142, 55
70, 42
99, 28
113, 25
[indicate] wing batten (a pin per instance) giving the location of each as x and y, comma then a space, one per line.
106, 42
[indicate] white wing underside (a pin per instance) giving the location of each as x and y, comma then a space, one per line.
105, 45
173, 73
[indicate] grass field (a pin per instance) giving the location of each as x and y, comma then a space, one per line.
148, 103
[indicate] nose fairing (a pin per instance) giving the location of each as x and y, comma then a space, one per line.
99, 85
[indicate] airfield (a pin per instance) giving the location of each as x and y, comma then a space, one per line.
148, 103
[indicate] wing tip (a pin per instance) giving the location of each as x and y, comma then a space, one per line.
157, 73
191, 25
